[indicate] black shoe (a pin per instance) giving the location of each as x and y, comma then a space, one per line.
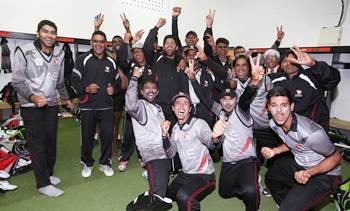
145, 202
266, 192
159, 204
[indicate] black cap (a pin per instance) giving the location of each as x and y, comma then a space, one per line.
181, 94
188, 48
191, 32
228, 92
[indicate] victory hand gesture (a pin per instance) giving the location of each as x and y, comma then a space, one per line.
210, 18
257, 71
303, 58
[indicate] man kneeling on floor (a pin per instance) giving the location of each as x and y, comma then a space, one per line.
302, 182
191, 138
146, 121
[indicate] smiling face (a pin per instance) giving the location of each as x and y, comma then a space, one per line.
182, 109
116, 43
239, 51
169, 47
271, 61
222, 49
138, 55
191, 40
98, 45
149, 91
289, 67
242, 69
47, 36
228, 103
281, 110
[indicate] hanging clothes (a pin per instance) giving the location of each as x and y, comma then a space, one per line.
5, 56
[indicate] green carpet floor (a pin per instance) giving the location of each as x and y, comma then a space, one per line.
99, 192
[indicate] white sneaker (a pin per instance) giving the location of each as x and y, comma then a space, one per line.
4, 174
107, 170
5, 185
55, 180
51, 191
86, 172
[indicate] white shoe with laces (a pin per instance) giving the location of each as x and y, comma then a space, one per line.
86, 172
5, 185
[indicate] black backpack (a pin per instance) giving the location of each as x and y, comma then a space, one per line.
9, 95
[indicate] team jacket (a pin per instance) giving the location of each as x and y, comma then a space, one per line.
146, 122
35, 73
307, 88
128, 65
238, 135
210, 86
308, 142
192, 141
89, 69
170, 80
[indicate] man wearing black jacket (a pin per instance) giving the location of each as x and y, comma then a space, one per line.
95, 79
164, 66
307, 85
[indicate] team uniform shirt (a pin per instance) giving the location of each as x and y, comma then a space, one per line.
238, 135
191, 141
90, 69
36, 73
308, 142
146, 122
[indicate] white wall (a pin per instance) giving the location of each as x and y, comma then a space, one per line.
251, 23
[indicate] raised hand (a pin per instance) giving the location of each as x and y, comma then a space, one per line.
127, 37
280, 34
190, 70
210, 39
126, 22
303, 58
165, 125
161, 22
137, 36
210, 18
98, 20
176, 12
257, 70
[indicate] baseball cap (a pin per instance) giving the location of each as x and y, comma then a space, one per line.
137, 45
181, 94
228, 92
